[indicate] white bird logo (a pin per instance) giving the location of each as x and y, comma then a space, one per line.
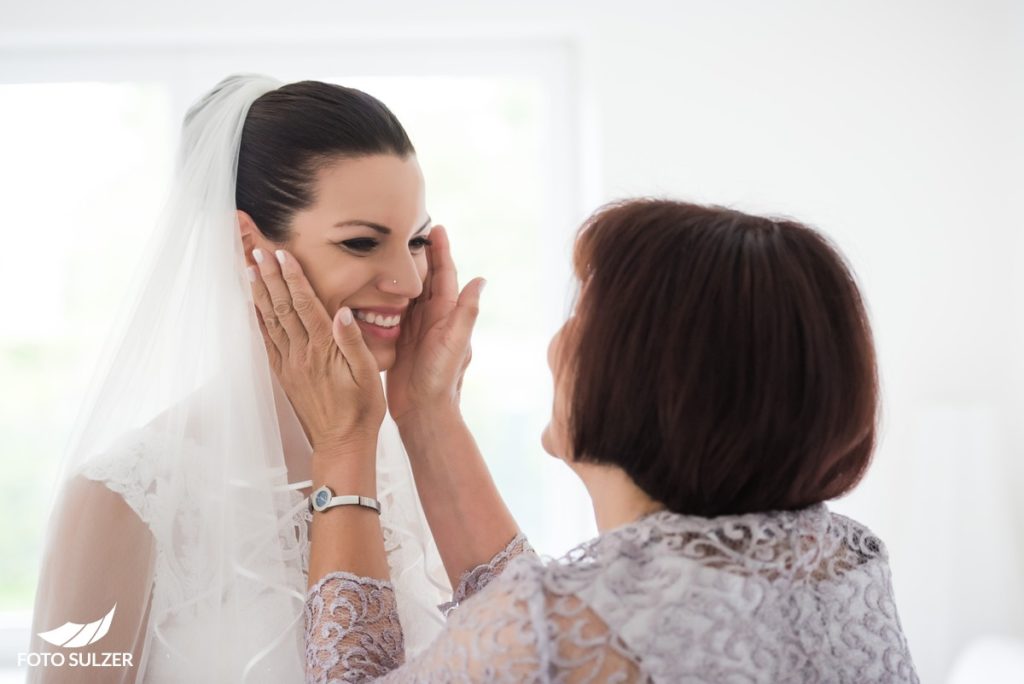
74, 635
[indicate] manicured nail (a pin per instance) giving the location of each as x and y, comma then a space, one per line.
280, 256
252, 273
257, 254
346, 316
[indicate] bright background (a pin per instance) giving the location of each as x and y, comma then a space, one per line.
894, 127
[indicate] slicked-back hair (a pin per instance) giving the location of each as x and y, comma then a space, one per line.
724, 361
292, 132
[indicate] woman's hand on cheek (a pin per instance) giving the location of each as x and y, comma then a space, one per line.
434, 345
324, 366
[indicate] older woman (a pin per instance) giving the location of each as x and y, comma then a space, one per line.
714, 387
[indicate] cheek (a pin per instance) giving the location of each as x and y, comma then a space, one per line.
560, 413
555, 437
340, 283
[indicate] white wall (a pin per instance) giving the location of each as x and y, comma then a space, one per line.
895, 127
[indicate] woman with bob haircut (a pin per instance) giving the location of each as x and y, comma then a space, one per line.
714, 387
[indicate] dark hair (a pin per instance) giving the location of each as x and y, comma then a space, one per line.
724, 361
292, 132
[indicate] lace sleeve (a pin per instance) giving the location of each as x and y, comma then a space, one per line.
353, 632
515, 630
479, 577
352, 629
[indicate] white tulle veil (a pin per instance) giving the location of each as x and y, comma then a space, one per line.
181, 499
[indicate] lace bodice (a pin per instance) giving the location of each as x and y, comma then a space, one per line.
160, 480
801, 596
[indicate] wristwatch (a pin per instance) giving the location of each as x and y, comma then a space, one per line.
323, 498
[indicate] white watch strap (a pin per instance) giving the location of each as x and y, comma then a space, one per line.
323, 499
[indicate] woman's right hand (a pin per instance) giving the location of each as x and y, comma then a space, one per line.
434, 344
324, 366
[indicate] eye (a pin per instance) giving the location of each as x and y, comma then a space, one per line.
419, 243
359, 244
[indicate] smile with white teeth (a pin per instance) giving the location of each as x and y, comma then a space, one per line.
379, 320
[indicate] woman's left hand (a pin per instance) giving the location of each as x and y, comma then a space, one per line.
324, 366
434, 344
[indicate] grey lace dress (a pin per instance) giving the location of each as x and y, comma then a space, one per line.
798, 596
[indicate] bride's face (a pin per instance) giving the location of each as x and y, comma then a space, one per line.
363, 243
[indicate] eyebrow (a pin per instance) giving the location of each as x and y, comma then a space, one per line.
384, 230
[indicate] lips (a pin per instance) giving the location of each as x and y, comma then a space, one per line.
380, 322
378, 319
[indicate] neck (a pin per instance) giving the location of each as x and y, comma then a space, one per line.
616, 498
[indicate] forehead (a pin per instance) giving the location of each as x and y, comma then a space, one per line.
385, 189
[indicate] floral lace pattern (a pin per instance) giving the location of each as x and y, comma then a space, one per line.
476, 579
342, 610
159, 479
800, 596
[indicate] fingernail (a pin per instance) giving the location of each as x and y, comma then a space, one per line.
252, 273
257, 254
483, 284
280, 256
346, 316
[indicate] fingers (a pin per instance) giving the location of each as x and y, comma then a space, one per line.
412, 323
273, 352
466, 311
273, 333
281, 312
349, 339
305, 303
443, 278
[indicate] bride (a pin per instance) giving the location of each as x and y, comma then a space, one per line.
178, 537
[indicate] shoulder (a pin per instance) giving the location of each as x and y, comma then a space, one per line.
664, 565
129, 466
856, 538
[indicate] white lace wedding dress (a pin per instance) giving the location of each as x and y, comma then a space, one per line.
179, 509
175, 641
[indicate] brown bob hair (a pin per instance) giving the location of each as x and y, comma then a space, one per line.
724, 361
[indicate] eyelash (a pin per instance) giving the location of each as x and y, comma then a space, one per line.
366, 245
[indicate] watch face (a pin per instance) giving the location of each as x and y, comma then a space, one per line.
322, 498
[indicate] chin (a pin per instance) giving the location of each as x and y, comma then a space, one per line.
549, 440
385, 358
545, 442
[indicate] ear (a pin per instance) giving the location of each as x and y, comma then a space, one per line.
251, 235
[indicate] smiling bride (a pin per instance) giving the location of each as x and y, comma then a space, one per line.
178, 536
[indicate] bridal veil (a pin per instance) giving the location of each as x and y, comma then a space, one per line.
179, 527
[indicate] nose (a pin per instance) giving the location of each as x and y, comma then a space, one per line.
552, 348
399, 276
